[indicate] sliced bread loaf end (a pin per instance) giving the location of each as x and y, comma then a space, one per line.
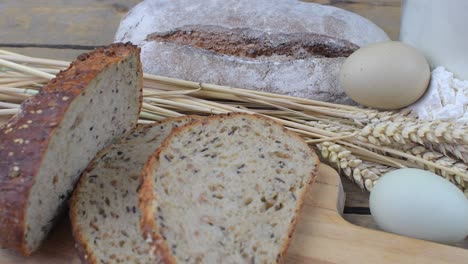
46, 147
226, 189
104, 209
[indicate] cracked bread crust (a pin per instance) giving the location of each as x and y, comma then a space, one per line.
150, 200
24, 139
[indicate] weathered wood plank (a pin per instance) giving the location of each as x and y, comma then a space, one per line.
355, 197
61, 21
384, 13
361, 220
386, 17
56, 54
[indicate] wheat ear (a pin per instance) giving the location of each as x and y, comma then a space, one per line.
441, 159
415, 131
458, 151
364, 173
411, 148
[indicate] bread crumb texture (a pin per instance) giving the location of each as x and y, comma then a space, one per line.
104, 210
227, 189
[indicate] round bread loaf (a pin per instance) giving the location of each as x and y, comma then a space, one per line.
281, 46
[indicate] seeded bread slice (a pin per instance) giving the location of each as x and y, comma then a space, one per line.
46, 147
104, 207
226, 189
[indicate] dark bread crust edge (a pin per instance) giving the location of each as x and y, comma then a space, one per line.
149, 225
300, 204
84, 250
25, 138
160, 248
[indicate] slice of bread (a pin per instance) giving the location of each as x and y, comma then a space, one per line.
226, 189
45, 148
104, 209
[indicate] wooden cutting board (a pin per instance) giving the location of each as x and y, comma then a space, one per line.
322, 236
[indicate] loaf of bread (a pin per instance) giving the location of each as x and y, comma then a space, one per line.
47, 145
225, 189
104, 209
280, 46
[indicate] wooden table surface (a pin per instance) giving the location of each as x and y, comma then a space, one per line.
63, 29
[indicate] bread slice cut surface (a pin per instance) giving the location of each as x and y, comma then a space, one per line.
226, 189
104, 208
47, 146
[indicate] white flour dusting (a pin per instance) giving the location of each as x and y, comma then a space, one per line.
445, 99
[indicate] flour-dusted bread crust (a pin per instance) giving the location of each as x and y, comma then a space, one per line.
279, 46
226, 189
104, 210
270, 16
48, 144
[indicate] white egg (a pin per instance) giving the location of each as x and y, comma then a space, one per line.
420, 204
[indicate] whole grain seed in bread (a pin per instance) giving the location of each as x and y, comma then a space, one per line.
47, 145
104, 209
226, 189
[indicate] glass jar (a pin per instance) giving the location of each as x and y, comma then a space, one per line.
439, 29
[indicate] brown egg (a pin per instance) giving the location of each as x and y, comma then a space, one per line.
385, 75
